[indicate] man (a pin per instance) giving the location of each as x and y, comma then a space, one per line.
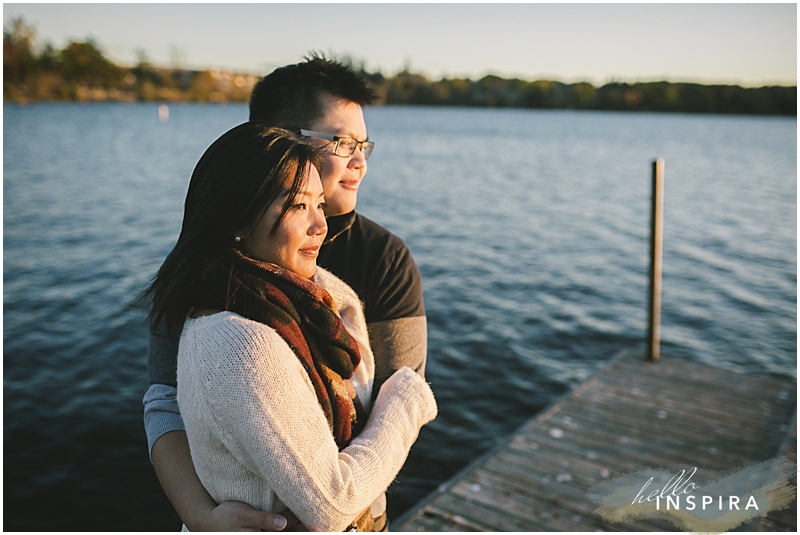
320, 99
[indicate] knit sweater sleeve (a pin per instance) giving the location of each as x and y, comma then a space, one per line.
248, 386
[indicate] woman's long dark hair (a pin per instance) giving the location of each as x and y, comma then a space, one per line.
237, 178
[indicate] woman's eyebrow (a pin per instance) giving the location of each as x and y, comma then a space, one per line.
309, 193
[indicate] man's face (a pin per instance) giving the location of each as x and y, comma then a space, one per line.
341, 177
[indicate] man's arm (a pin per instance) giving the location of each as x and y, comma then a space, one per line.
169, 452
175, 471
398, 329
398, 343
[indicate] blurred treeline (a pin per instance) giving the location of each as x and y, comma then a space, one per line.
407, 88
80, 71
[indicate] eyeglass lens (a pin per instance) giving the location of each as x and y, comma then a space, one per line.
347, 146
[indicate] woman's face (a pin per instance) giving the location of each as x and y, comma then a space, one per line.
296, 242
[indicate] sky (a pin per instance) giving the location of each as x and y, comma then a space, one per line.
745, 44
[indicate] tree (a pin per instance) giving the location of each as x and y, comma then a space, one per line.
83, 62
19, 62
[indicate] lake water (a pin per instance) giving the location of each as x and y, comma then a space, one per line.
530, 228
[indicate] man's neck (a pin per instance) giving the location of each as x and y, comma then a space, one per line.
338, 225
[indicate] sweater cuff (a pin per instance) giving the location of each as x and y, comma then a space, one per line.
418, 397
161, 414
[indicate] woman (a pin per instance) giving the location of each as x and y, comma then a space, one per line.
274, 366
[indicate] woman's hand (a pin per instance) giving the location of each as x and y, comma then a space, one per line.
414, 390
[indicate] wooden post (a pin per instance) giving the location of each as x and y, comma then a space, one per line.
656, 243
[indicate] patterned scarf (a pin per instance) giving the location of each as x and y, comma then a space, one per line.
303, 314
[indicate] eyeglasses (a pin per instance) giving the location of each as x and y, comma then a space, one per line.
344, 146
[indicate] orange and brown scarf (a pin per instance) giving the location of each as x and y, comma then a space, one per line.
303, 314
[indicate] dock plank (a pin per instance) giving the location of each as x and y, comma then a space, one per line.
629, 416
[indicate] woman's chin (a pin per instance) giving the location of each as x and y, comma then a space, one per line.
307, 270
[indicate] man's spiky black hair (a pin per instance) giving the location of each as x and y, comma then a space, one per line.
289, 96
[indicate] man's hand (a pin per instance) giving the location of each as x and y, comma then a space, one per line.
238, 516
175, 471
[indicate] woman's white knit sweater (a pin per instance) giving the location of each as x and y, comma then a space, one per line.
257, 433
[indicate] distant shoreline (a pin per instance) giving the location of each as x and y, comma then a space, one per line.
153, 84
81, 73
88, 102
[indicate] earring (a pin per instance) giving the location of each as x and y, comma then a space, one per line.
237, 238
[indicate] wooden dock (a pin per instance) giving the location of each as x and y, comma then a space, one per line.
629, 416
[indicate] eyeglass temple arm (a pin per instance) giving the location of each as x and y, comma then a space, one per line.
320, 135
